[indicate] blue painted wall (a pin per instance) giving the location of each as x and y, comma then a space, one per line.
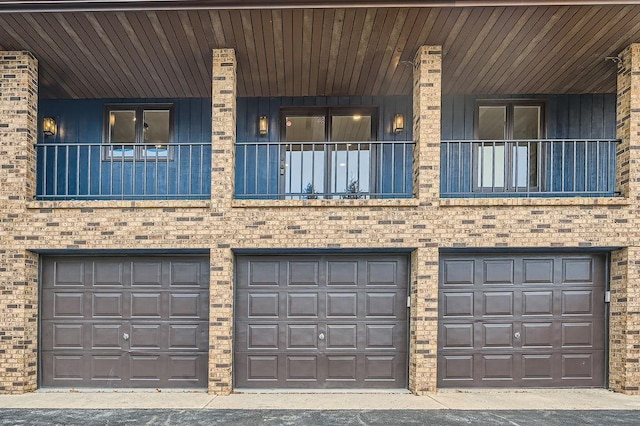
83, 172
581, 116
257, 169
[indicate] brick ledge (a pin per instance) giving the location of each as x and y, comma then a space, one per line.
118, 204
388, 202
556, 201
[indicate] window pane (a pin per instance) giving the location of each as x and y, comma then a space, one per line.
492, 122
350, 168
526, 122
304, 169
491, 166
351, 128
156, 126
122, 126
305, 129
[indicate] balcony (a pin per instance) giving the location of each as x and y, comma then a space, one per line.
324, 170
528, 168
96, 171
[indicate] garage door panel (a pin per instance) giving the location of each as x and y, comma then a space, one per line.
146, 273
497, 335
304, 273
66, 305
537, 303
305, 305
106, 336
68, 274
264, 273
553, 336
302, 336
382, 273
342, 273
457, 304
333, 319
498, 272
341, 336
186, 305
108, 304
117, 336
146, 305
538, 367
537, 271
342, 368
109, 274
456, 368
381, 368
186, 274
302, 368
458, 336
577, 302
263, 336
498, 303
384, 336
187, 368
577, 270
497, 367
458, 272
263, 305
577, 334
66, 336
342, 304
107, 367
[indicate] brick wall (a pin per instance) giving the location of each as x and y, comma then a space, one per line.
18, 267
222, 224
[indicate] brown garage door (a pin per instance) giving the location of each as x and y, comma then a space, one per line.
125, 321
334, 321
521, 320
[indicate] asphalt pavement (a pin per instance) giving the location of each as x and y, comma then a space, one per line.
38, 417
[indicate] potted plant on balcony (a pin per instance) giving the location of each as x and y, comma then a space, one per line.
310, 191
352, 190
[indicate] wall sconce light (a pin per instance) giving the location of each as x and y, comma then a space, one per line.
398, 123
263, 125
48, 126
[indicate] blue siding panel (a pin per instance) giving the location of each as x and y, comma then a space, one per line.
81, 122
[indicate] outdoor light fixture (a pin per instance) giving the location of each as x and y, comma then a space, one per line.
398, 123
263, 125
48, 126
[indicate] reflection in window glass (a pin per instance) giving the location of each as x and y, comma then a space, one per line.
350, 165
526, 122
351, 128
492, 123
122, 127
491, 166
156, 126
304, 169
305, 129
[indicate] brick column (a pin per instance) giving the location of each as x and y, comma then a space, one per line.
223, 121
221, 321
19, 321
423, 340
624, 324
628, 123
18, 268
427, 98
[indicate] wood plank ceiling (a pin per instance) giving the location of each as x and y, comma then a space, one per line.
323, 52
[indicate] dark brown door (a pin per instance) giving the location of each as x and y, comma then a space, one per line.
334, 321
522, 320
114, 322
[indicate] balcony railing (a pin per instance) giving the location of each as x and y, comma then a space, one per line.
330, 170
96, 171
528, 168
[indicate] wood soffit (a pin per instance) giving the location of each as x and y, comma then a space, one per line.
323, 51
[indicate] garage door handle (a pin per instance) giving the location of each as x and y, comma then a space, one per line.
321, 336
125, 336
517, 335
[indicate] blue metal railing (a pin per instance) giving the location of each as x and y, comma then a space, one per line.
330, 170
528, 168
97, 171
